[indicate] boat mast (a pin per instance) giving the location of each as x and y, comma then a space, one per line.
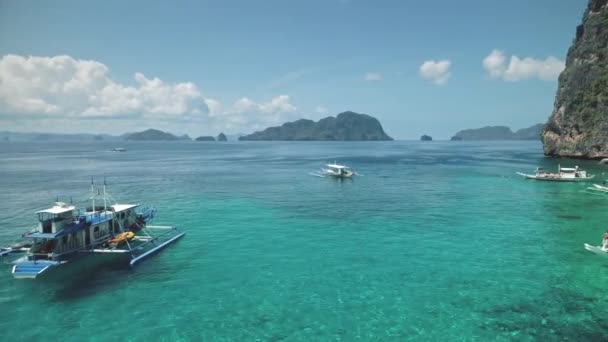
105, 204
93, 193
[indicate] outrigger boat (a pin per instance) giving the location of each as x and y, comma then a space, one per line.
563, 175
597, 187
335, 170
65, 235
596, 249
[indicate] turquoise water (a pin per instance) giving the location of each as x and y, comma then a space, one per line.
437, 241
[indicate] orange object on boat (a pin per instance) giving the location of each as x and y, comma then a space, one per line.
120, 238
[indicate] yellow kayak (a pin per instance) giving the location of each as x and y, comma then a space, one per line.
120, 238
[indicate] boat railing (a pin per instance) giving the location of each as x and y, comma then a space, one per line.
33, 229
48, 256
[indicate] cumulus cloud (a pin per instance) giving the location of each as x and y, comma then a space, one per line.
547, 69
436, 72
65, 88
373, 76
252, 115
62, 85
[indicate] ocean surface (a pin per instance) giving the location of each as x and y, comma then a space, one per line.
436, 241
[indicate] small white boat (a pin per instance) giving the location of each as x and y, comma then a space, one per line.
597, 187
596, 249
335, 170
119, 149
564, 174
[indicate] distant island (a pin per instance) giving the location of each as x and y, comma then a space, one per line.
154, 135
147, 135
426, 138
50, 137
346, 126
205, 138
499, 133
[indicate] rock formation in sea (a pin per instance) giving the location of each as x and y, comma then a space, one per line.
499, 133
154, 135
205, 138
425, 137
222, 137
347, 126
578, 125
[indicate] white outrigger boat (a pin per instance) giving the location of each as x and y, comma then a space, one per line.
335, 170
65, 235
596, 249
597, 187
563, 174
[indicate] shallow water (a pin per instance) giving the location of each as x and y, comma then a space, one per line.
436, 241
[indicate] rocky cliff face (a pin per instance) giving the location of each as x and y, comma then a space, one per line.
578, 125
347, 126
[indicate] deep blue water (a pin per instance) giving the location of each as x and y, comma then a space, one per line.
436, 241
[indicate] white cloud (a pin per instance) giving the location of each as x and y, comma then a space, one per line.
437, 72
62, 85
321, 110
248, 115
65, 89
373, 76
521, 68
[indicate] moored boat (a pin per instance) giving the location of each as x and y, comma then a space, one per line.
563, 174
66, 234
596, 249
335, 170
598, 187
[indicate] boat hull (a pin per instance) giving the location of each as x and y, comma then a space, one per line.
596, 249
79, 264
555, 179
600, 187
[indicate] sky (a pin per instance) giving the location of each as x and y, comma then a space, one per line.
204, 67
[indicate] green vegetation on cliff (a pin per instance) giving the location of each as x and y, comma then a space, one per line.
578, 126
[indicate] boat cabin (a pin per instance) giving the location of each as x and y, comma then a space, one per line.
54, 219
574, 172
62, 229
339, 169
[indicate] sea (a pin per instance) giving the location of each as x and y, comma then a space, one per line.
433, 241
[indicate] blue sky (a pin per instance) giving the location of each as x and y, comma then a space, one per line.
250, 64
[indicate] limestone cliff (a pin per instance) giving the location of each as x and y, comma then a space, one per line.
578, 125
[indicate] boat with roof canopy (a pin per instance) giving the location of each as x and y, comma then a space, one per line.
66, 234
564, 174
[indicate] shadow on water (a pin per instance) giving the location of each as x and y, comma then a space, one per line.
543, 318
570, 217
84, 283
